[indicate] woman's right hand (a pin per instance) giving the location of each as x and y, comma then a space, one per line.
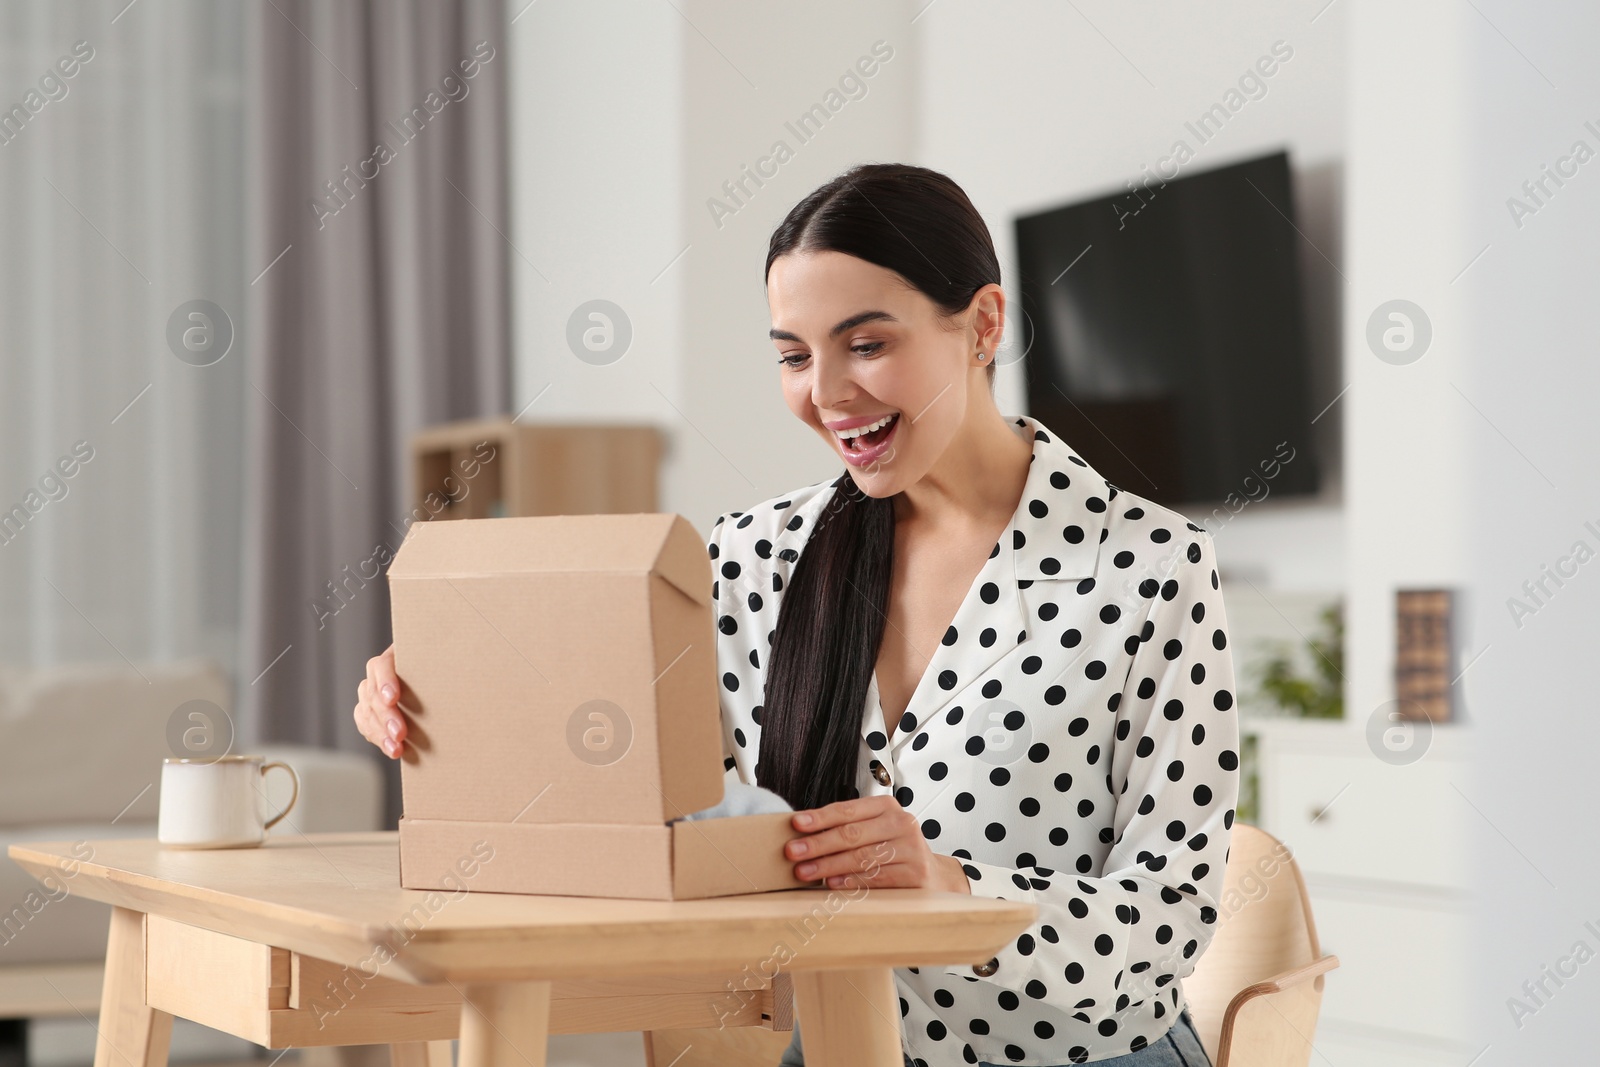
378, 715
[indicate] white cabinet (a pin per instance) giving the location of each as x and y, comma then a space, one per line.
1353, 816
1383, 847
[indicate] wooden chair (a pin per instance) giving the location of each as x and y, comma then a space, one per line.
1254, 996
1256, 991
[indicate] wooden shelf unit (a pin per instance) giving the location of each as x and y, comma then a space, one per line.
492, 468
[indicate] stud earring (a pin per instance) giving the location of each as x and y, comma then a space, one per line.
980, 355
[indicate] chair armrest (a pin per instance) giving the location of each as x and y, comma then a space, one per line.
1279, 982
1271, 1023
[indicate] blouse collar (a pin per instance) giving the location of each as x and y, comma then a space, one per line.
1062, 513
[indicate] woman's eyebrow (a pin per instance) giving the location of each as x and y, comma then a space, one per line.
845, 324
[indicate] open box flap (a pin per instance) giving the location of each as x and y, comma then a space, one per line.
643, 542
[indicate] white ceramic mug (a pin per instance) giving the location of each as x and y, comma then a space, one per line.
215, 802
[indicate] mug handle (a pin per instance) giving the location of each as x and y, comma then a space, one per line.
295, 778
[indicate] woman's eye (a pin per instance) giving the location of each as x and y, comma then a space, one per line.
866, 348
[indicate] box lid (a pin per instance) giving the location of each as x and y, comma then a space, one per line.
641, 543
558, 669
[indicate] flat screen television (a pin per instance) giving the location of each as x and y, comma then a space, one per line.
1165, 337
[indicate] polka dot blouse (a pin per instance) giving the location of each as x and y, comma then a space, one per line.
1073, 741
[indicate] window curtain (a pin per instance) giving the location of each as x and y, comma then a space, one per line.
121, 176
377, 297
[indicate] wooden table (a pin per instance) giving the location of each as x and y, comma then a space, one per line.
310, 941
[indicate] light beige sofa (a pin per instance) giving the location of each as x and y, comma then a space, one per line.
80, 758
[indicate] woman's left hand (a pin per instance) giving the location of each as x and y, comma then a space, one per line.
876, 841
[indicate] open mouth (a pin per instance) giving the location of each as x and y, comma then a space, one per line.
862, 442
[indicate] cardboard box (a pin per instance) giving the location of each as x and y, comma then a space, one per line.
562, 690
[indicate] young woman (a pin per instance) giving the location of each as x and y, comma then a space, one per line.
969, 663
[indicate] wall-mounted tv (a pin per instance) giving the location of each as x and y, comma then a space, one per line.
1165, 334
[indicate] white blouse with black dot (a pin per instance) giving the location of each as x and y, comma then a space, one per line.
1073, 741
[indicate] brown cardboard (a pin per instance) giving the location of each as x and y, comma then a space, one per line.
684, 861
740, 854
561, 681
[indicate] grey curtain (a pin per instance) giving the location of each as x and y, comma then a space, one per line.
377, 303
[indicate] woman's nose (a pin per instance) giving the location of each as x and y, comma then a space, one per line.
830, 382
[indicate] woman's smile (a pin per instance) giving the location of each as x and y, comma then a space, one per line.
865, 443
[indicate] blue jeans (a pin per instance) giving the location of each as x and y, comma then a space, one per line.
1180, 1047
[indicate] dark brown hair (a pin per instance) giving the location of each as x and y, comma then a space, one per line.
919, 224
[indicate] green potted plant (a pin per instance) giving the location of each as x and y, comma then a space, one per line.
1319, 695
1280, 682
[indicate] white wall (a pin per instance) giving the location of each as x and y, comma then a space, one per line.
596, 123
1408, 424
1474, 466
618, 146
1529, 483
1033, 105
744, 445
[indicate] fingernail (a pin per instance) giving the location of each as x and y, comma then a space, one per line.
806, 870
803, 819
389, 747
797, 848
394, 727
388, 693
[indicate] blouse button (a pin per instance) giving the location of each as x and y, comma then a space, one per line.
986, 969
880, 772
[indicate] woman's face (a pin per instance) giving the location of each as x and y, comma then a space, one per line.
857, 344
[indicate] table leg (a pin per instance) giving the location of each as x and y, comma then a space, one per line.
849, 1018
132, 1034
504, 1024
420, 1054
